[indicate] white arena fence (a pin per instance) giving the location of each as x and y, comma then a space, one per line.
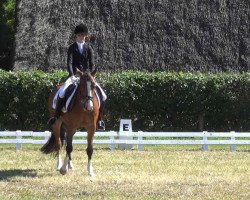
127, 139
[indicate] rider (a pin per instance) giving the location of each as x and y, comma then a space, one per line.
81, 57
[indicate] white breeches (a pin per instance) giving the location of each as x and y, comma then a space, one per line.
104, 96
76, 80
69, 81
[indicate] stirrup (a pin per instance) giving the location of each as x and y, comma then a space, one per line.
101, 125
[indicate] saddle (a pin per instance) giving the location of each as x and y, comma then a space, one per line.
70, 97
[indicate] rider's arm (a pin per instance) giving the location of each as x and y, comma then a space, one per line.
91, 58
69, 61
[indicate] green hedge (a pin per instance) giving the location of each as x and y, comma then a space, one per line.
23, 100
160, 101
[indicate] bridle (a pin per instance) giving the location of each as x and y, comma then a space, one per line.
87, 100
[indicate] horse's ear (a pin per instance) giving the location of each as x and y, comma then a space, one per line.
94, 72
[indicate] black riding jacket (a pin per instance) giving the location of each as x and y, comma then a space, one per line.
83, 62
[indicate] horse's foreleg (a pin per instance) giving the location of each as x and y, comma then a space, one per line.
58, 144
67, 164
59, 161
90, 166
64, 169
89, 151
69, 149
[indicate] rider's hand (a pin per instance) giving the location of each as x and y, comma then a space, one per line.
78, 72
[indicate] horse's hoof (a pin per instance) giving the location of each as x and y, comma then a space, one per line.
92, 175
58, 168
63, 171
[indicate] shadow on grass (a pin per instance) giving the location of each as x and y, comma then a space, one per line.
7, 175
246, 150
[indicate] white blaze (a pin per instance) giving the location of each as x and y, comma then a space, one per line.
89, 103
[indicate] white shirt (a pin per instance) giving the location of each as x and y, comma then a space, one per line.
80, 46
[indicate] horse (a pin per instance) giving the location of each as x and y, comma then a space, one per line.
84, 114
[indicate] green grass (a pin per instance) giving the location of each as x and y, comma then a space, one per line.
155, 173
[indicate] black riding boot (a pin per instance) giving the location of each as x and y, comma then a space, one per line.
59, 106
100, 123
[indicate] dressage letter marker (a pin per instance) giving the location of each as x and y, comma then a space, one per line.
124, 132
125, 127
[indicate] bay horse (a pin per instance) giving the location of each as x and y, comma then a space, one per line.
84, 114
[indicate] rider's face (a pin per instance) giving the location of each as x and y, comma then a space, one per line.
80, 37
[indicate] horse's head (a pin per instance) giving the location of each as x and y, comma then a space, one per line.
87, 87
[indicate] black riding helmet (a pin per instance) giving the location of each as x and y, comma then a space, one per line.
81, 28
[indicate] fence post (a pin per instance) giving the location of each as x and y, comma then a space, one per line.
18, 140
112, 142
233, 146
140, 138
205, 145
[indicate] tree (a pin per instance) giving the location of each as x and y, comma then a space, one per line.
7, 32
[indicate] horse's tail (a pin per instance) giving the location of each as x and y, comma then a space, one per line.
51, 146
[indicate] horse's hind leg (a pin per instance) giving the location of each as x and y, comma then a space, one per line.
89, 151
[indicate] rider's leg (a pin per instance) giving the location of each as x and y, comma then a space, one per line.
103, 97
100, 123
61, 99
58, 112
